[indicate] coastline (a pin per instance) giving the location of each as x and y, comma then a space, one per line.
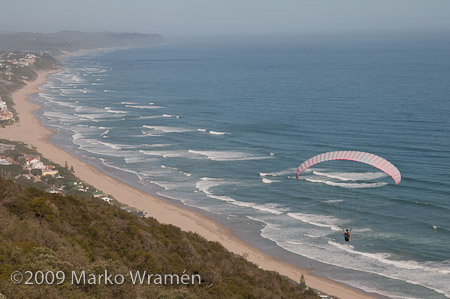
30, 131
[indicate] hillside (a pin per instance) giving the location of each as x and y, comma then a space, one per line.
41, 232
69, 41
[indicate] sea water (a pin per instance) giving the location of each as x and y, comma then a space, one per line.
222, 128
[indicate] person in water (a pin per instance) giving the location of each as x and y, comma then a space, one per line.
347, 235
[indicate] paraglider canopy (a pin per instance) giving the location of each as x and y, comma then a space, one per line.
362, 157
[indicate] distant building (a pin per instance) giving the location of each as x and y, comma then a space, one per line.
107, 199
49, 172
36, 164
6, 147
3, 106
29, 157
4, 162
98, 194
55, 191
8, 115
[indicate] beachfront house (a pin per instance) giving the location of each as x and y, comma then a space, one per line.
35, 164
107, 199
98, 194
6, 147
4, 162
3, 106
8, 115
49, 172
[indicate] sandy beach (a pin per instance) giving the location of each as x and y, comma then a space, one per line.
29, 130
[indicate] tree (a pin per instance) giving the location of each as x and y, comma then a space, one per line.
36, 172
41, 208
65, 165
72, 170
302, 282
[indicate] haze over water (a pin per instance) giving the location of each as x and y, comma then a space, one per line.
222, 127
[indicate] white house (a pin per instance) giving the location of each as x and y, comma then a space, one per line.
36, 164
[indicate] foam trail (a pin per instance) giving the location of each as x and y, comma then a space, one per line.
218, 133
345, 185
122, 169
143, 106
166, 129
351, 176
267, 181
228, 156
205, 184
279, 173
313, 219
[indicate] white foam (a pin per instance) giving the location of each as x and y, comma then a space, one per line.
228, 155
77, 136
104, 133
167, 129
150, 116
143, 106
351, 176
176, 169
201, 130
384, 258
205, 184
267, 181
311, 236
113, 146
158, 116
95, 146
133, 160
60, 116
158, 145
334, 201
431, 275
128, 103
106, 90
344, 185
317, 220
166, 185
279, 173
121, 169
116, 111
146, 133
168, 154
218, 133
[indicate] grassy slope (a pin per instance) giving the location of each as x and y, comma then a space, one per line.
42, 231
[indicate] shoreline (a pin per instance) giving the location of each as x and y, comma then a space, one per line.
30, 131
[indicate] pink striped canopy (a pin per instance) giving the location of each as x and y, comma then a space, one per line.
362, 157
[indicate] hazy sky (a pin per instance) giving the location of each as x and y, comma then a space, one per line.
226, 17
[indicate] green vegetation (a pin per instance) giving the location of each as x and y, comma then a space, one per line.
42, 232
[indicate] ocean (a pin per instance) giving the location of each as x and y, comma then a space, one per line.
222, 127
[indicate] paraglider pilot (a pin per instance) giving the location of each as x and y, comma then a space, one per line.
347, 235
